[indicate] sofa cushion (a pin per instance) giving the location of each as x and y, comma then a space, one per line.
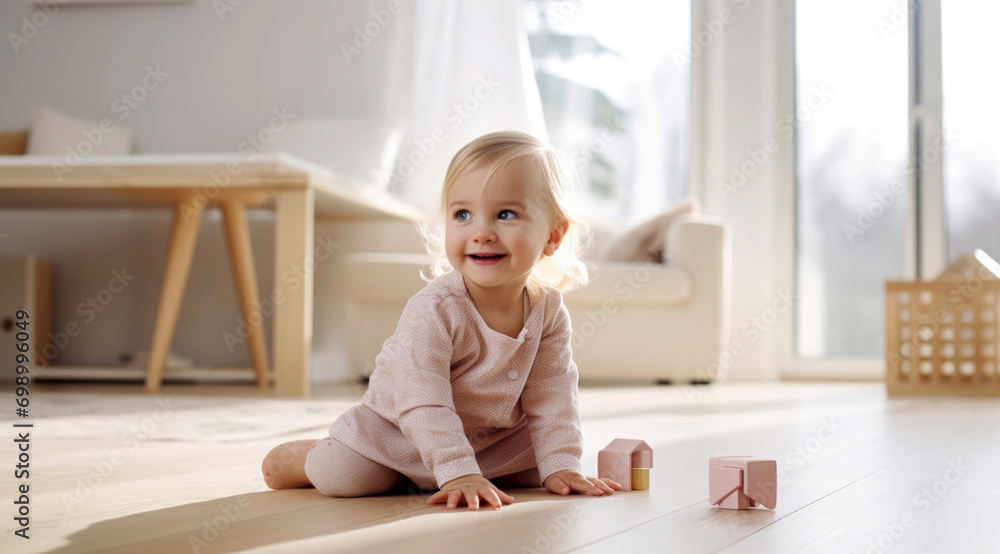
647, 242
57, 134
362, 150
617, 284
385, 277
390, 278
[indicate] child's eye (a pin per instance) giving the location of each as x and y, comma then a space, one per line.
462, 215
507, 214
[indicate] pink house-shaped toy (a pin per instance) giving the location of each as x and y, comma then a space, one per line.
741, 482
618, 460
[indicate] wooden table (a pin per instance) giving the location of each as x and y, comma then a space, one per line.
299, 192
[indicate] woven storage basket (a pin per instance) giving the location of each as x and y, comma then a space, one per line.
942, 336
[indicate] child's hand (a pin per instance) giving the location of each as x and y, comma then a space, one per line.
567, 481
471, 488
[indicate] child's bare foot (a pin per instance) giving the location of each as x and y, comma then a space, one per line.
284, 466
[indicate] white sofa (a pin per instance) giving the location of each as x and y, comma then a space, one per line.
641, 321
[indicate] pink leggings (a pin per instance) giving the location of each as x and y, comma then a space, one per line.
337, 470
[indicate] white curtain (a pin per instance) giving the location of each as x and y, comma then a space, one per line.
472, 74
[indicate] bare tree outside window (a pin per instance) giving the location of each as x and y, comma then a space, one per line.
851, 183
970, 66
613, 76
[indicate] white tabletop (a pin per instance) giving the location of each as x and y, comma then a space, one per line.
99, 181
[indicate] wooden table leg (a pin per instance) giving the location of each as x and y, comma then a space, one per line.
293, 290
241, 255
183, 236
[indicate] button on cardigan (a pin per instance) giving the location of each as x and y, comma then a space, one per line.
451, 397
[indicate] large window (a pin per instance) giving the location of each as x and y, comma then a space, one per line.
908, 136
613, 76
970, 87
851, 174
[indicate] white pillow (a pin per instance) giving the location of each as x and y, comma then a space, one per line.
57, 134
360, 149
647, 242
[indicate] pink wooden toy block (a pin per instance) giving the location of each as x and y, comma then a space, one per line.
627, 462
741, 482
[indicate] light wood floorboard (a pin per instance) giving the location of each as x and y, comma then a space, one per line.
852, 467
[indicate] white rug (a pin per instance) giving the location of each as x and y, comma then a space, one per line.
188, 419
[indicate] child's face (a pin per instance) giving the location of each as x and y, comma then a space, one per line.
504, 219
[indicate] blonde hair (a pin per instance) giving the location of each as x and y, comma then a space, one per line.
563, 270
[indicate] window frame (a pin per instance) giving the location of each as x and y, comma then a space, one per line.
926, 240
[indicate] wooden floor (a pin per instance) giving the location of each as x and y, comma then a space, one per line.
858, 473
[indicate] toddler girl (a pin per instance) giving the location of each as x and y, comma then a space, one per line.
477, 388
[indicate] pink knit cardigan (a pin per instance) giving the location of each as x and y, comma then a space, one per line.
451, 397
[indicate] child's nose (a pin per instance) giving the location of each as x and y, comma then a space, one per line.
484, 234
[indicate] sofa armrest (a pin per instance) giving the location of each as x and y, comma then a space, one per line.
701, 245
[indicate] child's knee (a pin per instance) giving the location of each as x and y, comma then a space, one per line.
330, 469
335, 487
321, 469
330, 482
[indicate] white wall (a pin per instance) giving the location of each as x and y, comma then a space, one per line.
225, 77
742, 88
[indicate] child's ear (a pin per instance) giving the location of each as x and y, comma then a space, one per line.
556, 237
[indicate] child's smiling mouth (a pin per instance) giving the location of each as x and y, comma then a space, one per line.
486, 258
